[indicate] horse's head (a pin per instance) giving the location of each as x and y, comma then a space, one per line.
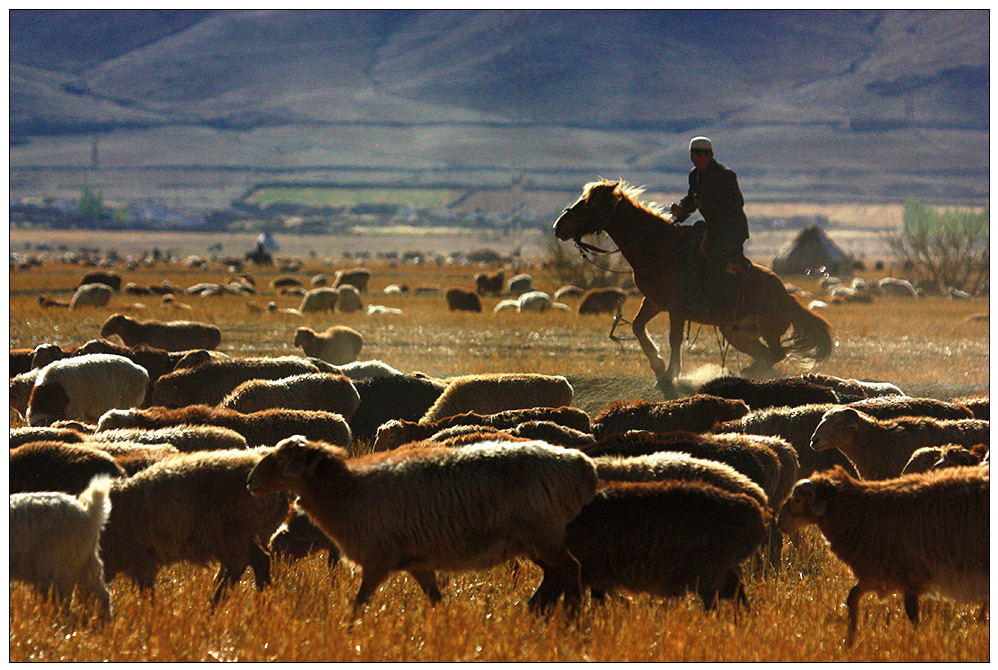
589, 213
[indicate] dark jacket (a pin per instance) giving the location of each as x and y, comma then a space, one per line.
720, 201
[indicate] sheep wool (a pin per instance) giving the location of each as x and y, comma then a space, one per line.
488, 394
84, 387
451, 508
54, 542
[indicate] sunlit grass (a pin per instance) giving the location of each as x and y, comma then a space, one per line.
797, 614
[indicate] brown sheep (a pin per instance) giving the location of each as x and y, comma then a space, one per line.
978, 403
349, 300
157, 362
259, 428
20, 361
298, 537
211, 380
112, 279
880, 448
329, 392
665, 538
914, 534
191, 507
602, 301
850, 390
46, 301
696, 413
759, 394
91, 295
490, 393
489, 284
19, 436
57, 466
396, 432
356, 277
924, 459
322, 299
183, 437
338, 345
168, 335
423, 510
461, 300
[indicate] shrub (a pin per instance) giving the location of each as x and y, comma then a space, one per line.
948, 247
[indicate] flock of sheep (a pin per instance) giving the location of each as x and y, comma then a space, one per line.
162, 449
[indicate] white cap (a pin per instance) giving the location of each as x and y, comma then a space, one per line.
702, 143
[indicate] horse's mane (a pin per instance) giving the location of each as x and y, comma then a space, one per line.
630, 193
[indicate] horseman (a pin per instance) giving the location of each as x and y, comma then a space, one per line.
714, 191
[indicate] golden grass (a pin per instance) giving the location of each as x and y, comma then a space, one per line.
797, 614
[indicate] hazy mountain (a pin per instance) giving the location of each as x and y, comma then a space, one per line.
864, 104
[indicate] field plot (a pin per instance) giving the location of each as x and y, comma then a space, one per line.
798, 613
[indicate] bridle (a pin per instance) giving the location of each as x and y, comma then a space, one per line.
602, 214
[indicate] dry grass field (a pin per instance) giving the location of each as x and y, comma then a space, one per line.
797, 614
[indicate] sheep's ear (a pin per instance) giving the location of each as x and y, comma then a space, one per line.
300, 463
850, 418
809, 492
193, 359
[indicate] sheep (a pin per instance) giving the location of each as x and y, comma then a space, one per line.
696, 413
134, 457
84, 387
665, 538
756, 461
490, 393
168, 335
54, 542
20, 361
48, 352
297, 537
283, 282
20, 389
349, 300
924, 459
430, 509
519, 284
506, 306
183, 437
602, 301
552, 433
394, 433
325, 391
362, 369
880, 448
318, 280
57, 466
111, 279
46, 301
461, 300
356, 277
979, 404
322, 299
901, 288
850, 390
381, 310
533, 301
191, 507
338, 345
797, 424
780, 392
157, 362
19, 436
383, 398
568, 291
675, 465
489, 284
259, 428
91, 295
916, 534
210, 381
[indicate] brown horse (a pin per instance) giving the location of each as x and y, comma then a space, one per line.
657, 250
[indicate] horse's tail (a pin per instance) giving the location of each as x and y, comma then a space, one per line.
812, 335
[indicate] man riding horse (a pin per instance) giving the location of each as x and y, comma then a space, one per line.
714, 191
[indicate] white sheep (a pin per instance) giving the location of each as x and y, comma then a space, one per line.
437, 508
491, 393
367, 369
91, 295
880, 448
533, 301
319, 390
84, 387
381, 310
506, 305
54, 540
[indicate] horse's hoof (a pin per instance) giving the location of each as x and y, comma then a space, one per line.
664, 382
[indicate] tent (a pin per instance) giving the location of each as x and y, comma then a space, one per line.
810, 250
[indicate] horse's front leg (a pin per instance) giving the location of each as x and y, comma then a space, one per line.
675, 349
646, 313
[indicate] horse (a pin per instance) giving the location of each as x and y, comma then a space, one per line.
659, 251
